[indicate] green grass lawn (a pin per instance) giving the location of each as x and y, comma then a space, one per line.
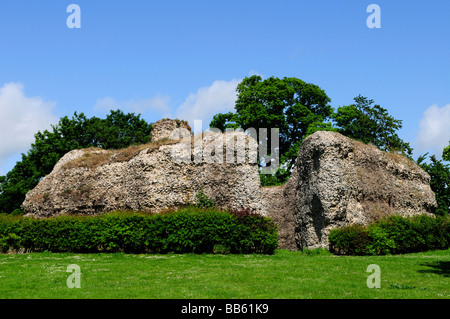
287, 275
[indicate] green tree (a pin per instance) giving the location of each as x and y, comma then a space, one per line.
446, 153
440, 180
117, 130
289, 104
370, 123
299, 109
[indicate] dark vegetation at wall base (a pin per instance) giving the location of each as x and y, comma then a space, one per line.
189, 230
392, 235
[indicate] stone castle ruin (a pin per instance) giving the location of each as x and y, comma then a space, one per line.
336, 181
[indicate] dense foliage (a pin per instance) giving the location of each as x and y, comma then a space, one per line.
289, 104
190, 230
392, 235
446, 153
439, 172
117, 130
203, 201
370, 123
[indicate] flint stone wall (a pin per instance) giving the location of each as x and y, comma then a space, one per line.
280, 204
170, 129
339, 181
154, 179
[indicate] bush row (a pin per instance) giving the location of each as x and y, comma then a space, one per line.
190, 230
392, 235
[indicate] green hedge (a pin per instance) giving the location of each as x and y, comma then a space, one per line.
190, 230
392, 235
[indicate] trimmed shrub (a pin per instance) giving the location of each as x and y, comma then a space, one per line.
349, 240
255, 232
392, 235
190, 230
10, 229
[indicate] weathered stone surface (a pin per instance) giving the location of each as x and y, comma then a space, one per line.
147, 177
342, 181
170, 129
280, 204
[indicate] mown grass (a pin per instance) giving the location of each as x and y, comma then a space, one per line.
286, 275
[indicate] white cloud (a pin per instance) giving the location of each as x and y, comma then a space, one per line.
158, 104
20, 118
105, 104
219, 97
254, 72
434, 133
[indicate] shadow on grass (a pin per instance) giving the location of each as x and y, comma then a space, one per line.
437, 267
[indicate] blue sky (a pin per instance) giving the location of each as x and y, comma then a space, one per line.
184, 59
